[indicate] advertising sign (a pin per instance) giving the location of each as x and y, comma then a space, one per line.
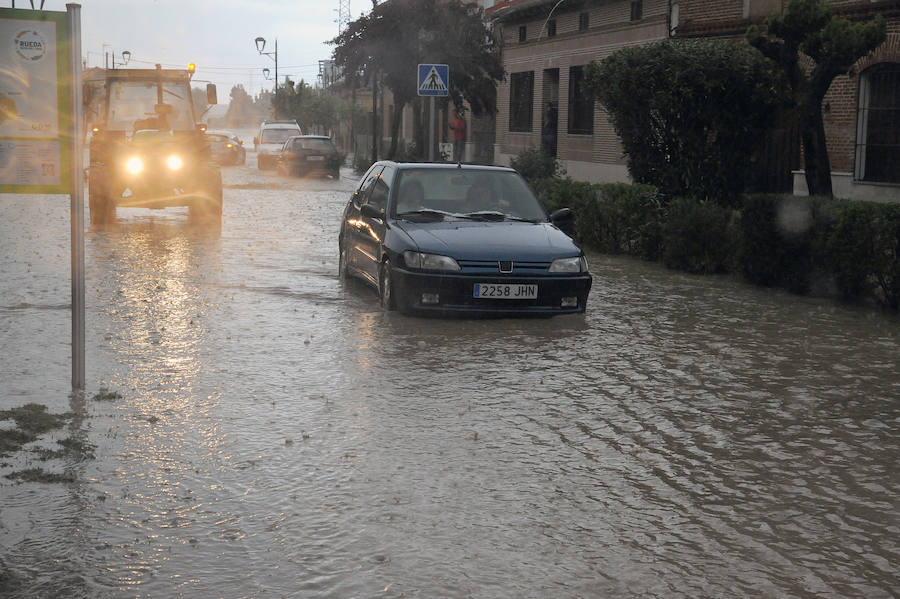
34, 102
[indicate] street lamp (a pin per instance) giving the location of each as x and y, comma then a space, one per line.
260, 46
266, 73
126, 56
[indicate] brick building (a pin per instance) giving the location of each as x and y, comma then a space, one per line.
548, 42
543, 103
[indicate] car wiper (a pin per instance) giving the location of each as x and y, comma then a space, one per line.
425, 212
486, 215
492, 215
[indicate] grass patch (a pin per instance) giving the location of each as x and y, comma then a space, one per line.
105, 394
39, 475
68, 448
34, 418
31, 420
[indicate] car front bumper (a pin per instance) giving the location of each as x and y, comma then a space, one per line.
453, 293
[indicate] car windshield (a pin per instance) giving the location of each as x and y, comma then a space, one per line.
133, 105
276, 136
482, 194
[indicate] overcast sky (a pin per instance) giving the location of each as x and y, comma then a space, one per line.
216, 35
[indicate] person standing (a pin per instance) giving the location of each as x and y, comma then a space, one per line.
459, 135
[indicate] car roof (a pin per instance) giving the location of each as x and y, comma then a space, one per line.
446, 165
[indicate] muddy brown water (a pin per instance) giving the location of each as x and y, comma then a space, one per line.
278, 435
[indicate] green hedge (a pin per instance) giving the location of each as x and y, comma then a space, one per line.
851, 248
698, 237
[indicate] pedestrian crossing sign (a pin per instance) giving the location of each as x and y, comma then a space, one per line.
434, 80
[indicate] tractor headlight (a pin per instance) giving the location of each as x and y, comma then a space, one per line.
174, 162
134, 165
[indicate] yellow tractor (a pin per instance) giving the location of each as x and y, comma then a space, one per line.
147, 149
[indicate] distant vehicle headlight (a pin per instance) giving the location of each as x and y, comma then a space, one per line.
174, 162
229, 145
134, 165
576, 264
429, 261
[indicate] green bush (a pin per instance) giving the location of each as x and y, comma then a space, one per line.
561, 193
537, 164
690, 113
698, 237
622, 219
863, 252
776, 246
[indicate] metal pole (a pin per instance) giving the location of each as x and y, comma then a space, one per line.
276, 66
431, 129
76, 183
374, 116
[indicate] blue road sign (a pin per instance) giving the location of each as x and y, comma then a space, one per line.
434, 80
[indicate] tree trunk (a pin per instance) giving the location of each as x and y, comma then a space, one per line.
395, 128
419, 127
815, 151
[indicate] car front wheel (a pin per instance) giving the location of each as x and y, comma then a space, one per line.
343, 271
386, 288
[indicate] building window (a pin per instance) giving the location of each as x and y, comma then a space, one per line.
581, 103
523, 33
878, 124
521, 100
637, 10
584, 21
551, 28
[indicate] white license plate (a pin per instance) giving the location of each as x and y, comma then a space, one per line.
315, 158
504, 291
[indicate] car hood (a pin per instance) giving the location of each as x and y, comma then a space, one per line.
475, 240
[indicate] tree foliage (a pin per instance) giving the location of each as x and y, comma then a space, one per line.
690, 113
398, 35
240, 108
808, 28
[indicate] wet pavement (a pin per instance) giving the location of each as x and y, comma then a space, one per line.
273, 433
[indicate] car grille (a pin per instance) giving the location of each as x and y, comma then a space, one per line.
494, 267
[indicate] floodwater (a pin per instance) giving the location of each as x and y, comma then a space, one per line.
278, 435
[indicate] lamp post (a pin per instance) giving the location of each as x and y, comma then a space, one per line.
260, 46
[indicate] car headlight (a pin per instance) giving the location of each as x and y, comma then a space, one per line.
574, 264
134, 165
174, 162
429, 261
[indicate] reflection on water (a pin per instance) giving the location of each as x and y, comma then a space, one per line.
280, 435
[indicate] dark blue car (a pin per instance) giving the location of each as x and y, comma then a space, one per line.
458, 239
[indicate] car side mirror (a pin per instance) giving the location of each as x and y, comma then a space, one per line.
370, 211
563, 215
211, 96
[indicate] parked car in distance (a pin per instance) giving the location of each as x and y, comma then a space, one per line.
225, 147
270, 139
304, 155
460, 239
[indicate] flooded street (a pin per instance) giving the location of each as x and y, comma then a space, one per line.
274, 433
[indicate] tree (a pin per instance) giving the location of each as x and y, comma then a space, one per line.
690, 113
396, 36
833, 45
240, 108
